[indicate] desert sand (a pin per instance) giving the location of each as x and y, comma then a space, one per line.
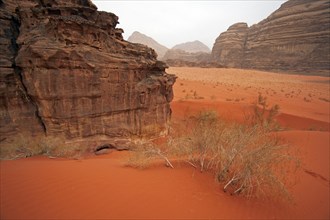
102, 187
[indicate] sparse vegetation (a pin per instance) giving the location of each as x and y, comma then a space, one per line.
246, 159
23, 146
307, 100
144, 154
262, 116
324, 99
194, 95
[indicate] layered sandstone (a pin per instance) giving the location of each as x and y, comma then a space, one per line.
230, 45
65, 69
295, 38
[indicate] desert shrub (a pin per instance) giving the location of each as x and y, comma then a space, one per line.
144, 153
245, 159
23, 145
264, 116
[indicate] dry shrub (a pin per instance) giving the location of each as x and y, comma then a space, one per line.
23, 145
144, 153
246, 159
264, 116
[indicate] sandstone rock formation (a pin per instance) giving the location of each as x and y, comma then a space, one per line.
192, 47
295, 38
66, 70
137, 37
229, 47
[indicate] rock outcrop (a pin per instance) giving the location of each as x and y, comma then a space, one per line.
229, 47
66, 70
295, 38
137, 37
192, 47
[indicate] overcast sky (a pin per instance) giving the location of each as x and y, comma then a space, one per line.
174, 22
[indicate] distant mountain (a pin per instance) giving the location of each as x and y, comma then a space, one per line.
177, 54
192, 47
137, 37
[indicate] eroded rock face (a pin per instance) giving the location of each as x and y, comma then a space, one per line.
71, 73
229, 47
295, 38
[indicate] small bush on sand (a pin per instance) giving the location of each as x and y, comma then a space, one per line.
264, 116
246, 159
144, 153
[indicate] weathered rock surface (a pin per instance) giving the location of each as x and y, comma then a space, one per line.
140, 38
295, 38
192, 47
16, 110
66, 70
229, 47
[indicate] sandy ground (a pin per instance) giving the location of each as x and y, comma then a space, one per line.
103, 187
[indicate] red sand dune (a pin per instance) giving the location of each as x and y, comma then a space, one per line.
103, 187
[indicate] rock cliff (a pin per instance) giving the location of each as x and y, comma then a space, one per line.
137, 37
66, 70
294, 38
229, 47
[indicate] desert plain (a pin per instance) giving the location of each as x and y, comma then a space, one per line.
103, 187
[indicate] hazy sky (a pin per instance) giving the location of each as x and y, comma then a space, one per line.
174, 22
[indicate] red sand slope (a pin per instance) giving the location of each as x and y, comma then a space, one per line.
103, 188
